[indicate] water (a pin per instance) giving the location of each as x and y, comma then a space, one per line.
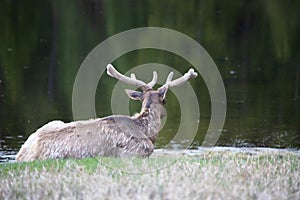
254, 45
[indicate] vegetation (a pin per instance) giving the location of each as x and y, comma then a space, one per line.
211, 175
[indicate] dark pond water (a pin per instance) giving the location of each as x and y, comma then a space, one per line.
255, 45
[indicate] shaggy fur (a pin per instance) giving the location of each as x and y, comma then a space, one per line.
118, 136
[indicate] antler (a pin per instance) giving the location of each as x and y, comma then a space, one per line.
180, 81
111, 71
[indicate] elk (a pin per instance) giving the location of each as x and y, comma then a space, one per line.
116, 135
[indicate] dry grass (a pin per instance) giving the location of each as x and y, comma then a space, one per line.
213, 175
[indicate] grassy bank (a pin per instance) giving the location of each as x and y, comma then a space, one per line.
213, 175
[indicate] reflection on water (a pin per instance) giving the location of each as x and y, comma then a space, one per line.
254, 44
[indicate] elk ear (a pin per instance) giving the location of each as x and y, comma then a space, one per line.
162, 92
135, 95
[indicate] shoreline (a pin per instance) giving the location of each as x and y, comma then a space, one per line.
203, 150
10, 158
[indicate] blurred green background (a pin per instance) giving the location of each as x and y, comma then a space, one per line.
255, 45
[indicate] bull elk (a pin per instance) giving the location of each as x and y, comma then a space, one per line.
116, 135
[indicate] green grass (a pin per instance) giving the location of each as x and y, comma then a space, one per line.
126, 165
211, 175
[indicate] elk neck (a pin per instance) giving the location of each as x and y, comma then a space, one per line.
149, 119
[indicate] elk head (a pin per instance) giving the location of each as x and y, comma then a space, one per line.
148, 96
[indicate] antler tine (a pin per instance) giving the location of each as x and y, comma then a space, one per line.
169, 78
177, 82
187, 76
132, 75
111, 71
153, 81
